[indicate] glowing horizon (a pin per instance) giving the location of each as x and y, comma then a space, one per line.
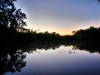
59, 31
61, 17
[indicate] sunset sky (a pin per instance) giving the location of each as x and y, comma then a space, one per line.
61, 16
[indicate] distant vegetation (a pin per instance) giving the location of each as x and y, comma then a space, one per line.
91, 33
12, 31
12, 28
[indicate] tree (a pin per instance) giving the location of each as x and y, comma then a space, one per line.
74, 32
10, 16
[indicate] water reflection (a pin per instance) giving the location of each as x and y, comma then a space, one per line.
90, 48
12, 58
12, 61
70, 52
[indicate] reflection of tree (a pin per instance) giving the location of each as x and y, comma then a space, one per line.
90, 48
12, 58
12, 62
54, 45
40, 45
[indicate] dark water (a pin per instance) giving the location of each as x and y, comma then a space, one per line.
52, 60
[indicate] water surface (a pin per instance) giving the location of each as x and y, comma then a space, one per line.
58, 60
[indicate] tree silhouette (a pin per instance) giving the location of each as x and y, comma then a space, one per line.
10, 19
10, 16
91, 33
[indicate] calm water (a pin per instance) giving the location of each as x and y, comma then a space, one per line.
57, 60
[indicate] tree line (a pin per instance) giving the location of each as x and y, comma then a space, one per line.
92, 33
12, 28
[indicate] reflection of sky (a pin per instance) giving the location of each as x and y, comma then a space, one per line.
62, 16
60, 62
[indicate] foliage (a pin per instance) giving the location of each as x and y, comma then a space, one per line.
9, 15
91, 33
12, 28
10, 19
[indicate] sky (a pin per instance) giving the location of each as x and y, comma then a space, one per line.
61, 16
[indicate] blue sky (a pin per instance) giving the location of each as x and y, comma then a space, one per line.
61, 16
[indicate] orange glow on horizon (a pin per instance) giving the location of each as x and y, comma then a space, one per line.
60, 30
